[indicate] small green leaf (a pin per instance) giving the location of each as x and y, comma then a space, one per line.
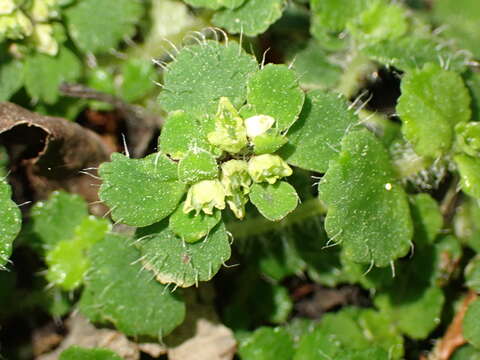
99, 25
340, 336
368, 210
67, 265
173, 261
333, 15
274, 201
11, 78
252, 18
471, 325
316, 69
267, 344
202, 74
466, 352
191, 227
460, 19
416, 313
197, 166
427, 219
412, 52
315, 138
274, 91
433, 100
382, 333
469, 169
78, 353
57, 218
44, 74
138, 79
380, 21
140, 192
318, 345
216, 4
67, 261
10, 223
118, 292
472, 274
468, 138
182, 133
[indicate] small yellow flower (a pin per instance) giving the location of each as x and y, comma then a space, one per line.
268, 168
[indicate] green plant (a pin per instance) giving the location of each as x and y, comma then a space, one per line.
348, 161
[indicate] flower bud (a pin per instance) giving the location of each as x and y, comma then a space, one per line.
44, 40
204, 196
230, 134
15, 26
235, 176
258, 125
6, 7
268, 168
236, 182
42, 10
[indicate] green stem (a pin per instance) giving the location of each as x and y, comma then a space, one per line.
260, 225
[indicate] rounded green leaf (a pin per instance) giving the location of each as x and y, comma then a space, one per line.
466, 352
56, 219
316, 68
274, 201
197, 166
183, 264
182, 133
368, 211
78, 353
118, 292
99, 25
67, 265
333, 15
202, 74
267, 344
10, 222
252, 18
215, 4
315, 138
472, 274
471, 325
416, 312
274, 91
192, 227
427, 219
469, 168
411, 52
380, 21
137, 80
140, 192
44, 74
433, 101
11, 78
460, 19
67, 261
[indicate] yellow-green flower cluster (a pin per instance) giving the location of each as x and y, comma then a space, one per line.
30, 22
236, 138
